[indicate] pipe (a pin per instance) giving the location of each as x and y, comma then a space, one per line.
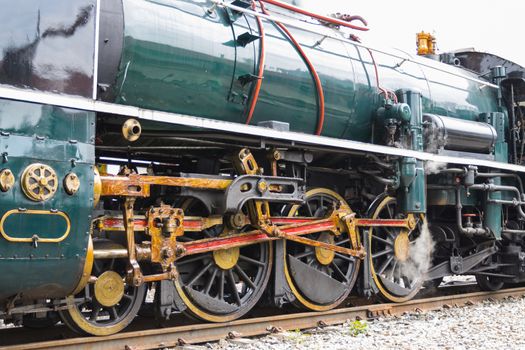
260, 73
318, 16
311, 68
460, 171
349, 18
518, 232
383, 180
459, 216
498, 188
379, 162
110, 253
514, 203
507, 175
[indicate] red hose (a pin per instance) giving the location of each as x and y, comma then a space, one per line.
311, 68
260, 73
382, 90
315, 15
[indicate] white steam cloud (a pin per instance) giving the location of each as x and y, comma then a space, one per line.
420, 255
432, 168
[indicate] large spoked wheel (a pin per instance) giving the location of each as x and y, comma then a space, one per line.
489, 284
109, 305
486, 282
395, 266
319, 279
223, 285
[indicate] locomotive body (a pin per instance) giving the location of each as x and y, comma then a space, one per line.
170, 56
212, 214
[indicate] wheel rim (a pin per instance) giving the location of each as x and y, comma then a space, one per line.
489, 283
396, 275
226, 284
318, 278
91, 317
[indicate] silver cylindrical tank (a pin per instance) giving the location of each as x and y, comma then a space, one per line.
458, 134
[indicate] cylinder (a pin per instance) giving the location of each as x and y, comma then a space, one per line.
458, 135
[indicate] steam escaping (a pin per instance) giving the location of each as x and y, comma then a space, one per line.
422, 250
432, 168
420, 256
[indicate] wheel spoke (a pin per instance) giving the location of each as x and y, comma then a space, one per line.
385, 264
305, 254
233, 287
310, 212
406, 281
245, 277
113, 314
384, 252
392, 270
252, 261
343, 242
221, 285
397, 274
94, 313
199, 274
345, 257
389, 210
389, 232
338, 271
387, 242
209, 284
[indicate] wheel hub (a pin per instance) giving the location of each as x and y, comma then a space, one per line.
109, 289
226, 258
325, 256
402, 247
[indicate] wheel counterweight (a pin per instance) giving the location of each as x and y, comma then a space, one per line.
320, 279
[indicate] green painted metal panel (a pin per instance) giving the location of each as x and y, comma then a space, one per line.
47, 269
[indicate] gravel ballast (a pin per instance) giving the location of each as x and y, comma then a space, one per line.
491, 324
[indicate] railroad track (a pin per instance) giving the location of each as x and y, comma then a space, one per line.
190, 334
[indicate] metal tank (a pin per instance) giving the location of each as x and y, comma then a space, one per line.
180, 57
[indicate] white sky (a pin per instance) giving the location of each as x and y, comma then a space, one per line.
487, 25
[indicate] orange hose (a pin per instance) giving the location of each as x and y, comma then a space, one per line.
260, 73
311, 68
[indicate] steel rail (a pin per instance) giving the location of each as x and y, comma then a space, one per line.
192, 334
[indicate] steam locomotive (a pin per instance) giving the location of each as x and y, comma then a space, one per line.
207, 156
